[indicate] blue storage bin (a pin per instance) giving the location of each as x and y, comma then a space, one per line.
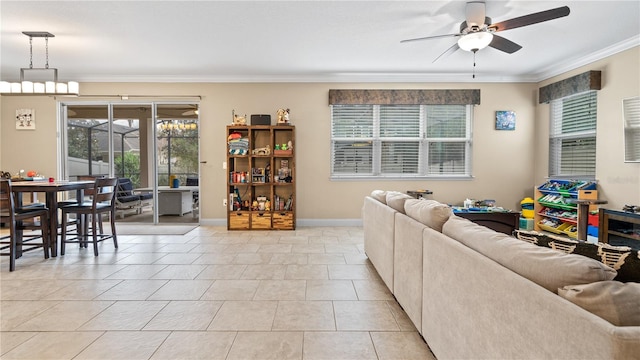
592, 231
526, 224
566, 188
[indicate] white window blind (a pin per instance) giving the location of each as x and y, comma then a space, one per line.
572, 135
352, 144
631, 109
400, 140
449, 139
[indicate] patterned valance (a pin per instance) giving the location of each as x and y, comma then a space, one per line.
404, 97
590, 80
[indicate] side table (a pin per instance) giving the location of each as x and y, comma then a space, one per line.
583, 214
419, 194
504, 222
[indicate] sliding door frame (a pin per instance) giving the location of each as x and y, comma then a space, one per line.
152, 139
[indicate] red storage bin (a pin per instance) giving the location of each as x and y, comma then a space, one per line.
593, 219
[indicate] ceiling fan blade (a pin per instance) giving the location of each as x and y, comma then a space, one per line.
531, 19
429, 37
503, 44
448, 52
475, 13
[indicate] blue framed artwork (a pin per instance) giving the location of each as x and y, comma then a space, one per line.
505, 120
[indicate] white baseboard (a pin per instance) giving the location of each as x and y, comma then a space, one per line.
328, 222
299, 222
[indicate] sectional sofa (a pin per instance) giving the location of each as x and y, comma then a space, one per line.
474, 293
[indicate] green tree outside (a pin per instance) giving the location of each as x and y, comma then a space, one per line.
129, 167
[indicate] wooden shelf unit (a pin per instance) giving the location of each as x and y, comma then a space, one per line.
258, 176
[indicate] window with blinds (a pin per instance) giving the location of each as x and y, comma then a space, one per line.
631, 129
572, 136
399, 141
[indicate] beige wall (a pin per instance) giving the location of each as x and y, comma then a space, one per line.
501, 159
506, 164
618, 182
29, 149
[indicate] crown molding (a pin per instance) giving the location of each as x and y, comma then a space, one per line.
364, 77
317, 78
557, 69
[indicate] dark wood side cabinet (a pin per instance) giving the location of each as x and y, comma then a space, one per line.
619, 228
504, 222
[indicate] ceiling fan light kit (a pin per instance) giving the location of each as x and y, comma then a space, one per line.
48, 87
475, 41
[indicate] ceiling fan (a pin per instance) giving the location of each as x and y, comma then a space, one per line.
190, 113
477, 31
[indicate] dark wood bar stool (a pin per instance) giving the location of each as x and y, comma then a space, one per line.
88, 193
102, 202
20, 219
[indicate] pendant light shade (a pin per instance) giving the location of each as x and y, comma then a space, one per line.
27, 87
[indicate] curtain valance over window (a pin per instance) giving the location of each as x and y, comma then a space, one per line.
404, 97
590, 80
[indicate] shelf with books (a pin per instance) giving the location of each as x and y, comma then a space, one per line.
261, 182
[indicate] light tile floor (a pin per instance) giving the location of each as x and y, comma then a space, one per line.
210, 294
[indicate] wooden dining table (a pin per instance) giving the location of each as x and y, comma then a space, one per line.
51, 190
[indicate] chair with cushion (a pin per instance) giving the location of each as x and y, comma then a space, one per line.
102, 202
193, 181
127, 199
20, 219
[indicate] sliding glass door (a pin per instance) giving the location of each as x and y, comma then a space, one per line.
177, 163
87, 148
134, 143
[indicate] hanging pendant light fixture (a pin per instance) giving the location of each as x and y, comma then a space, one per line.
48, 87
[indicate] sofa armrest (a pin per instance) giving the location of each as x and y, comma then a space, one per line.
378, 222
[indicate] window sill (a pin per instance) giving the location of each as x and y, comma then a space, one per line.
401, 178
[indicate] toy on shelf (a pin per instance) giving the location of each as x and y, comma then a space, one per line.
262, 151
283, 116
238, 145
239, 120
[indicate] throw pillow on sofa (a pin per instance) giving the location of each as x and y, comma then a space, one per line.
614, 301
396, 199
428, 212
624, 259
546, 267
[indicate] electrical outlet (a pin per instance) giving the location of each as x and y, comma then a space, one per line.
224, 202
224, 165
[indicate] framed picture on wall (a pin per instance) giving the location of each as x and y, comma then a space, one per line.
25, 119
505, 120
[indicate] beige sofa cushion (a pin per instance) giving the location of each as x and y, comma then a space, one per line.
380, 195
396, 199
546, 267
614, 301
428, 212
